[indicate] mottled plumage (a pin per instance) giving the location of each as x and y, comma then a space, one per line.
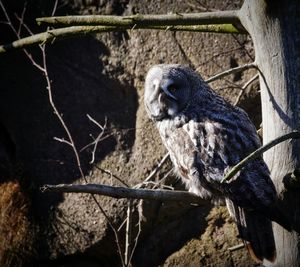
206, 136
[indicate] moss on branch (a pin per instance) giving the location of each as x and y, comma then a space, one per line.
73, 31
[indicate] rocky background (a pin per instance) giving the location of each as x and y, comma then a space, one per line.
103, 76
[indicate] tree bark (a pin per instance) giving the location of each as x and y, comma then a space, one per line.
274, 28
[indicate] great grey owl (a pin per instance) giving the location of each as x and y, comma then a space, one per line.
206, 136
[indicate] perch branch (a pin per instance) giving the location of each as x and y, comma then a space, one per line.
231, 71
204, 18
259, 152
68, 32
122, 192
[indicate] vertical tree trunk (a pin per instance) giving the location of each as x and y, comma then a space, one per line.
274, 28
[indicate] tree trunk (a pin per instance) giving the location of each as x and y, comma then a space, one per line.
274, 28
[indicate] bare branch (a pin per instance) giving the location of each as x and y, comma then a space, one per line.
258, 152
21, 20
113, 175
8, 18
99, 138
34, 63
68, 32
139, 224
54, 8
128, 236
49, 36
204, 18
236, 247
231, 71
122, 192
62, 140
244, 88
97, 123
155, 170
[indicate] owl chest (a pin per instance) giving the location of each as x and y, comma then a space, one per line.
183, 152
195, 148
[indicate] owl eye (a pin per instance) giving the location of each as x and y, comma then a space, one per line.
172, 88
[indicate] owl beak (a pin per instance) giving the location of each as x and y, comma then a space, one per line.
159, 117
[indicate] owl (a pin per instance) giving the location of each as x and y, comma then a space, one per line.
206, 136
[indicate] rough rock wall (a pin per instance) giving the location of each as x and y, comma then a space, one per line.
103, 76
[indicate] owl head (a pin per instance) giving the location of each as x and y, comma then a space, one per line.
169, 89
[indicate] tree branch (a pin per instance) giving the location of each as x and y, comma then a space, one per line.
204, 18
244, 88
259, 152
231, 71
162, 195
52, 35
122, 192
68, 32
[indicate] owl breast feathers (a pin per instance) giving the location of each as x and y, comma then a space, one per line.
206, 136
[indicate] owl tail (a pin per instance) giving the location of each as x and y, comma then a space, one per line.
255, 229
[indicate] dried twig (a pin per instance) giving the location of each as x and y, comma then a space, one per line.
154, 171
112, 175
139, 224
98, 139
244, 88
231, 71
237, 247
128, 235
21, 19
9, 23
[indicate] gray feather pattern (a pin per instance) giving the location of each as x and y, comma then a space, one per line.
205, 137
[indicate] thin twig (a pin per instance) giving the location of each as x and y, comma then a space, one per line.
113, 175
237, 247
29, 56
231, 71
244, 88
128, 235
258, 152
54, 8
62, 140
97, 123
24, 24
21, 20
122, 192
141, 216
99, 138
154, 171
